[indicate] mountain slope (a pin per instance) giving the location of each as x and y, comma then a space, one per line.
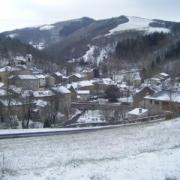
9, 48
95, 41
43, 36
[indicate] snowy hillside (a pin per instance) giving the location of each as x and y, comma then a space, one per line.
149, 152
140, 24
88, 39
97, 54
46, 27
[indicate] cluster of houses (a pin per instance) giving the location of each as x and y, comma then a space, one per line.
28, 93
158, 95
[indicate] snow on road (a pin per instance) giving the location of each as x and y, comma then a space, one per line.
142, 152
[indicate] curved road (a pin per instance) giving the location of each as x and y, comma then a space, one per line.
70, 131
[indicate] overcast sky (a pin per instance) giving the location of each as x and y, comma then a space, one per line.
22, 13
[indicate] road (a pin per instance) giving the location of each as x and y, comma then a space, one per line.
68, 131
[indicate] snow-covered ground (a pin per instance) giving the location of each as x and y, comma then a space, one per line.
97, 54
139, 24
46, 27
39, 46
89, 56
92, 116
142, 152
13, 35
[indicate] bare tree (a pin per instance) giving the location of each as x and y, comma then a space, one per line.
27, 106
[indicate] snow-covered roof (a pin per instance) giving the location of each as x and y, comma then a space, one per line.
11, 102
155, 79
77, 75
61, 90
58, 74
137, 111
28, 77
15, 89
173, 96
9, 69
123, 86
41, 76
20, 58
83, 92
164, 74
40, 103
44, 93
1, 84
106, 81
3, 92
35, 70
87, 70
144, 86
126, 99
80, 84
137, 76
85, 83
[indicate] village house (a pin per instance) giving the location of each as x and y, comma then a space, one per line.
42, 80
101, 85
125, 90
7, 71
88, 74
75, 78
138, 97
29, 82
86, 85
159, 82
63, 100
163, 101
131, 77
40, 111
50, 81
11, 109
137, 113
83, 95
58, 77
162, 76
83, 85
47, 95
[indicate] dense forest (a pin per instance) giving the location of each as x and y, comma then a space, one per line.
134, 48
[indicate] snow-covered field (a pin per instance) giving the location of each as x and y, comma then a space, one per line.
142, 152
139, 24
92, 116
